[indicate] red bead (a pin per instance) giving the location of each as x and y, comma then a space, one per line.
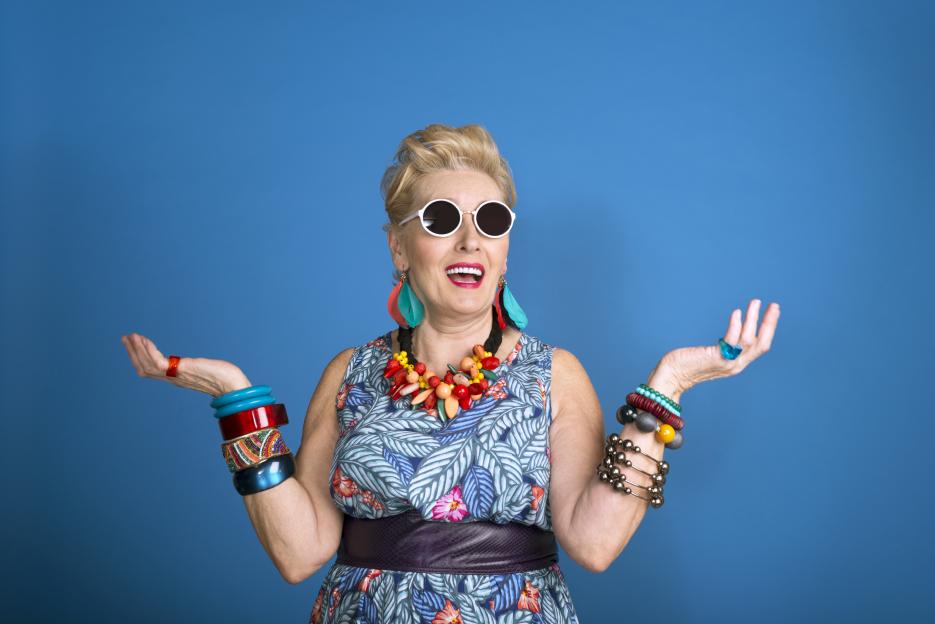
420, 368
484, 384
461, 392
434, 381
391, 367
490, 363
465, 402
475, 388
400, 376
449, 378
430, 401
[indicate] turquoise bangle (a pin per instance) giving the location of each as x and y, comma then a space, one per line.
236, 395
246, 404
660, 398
265, 475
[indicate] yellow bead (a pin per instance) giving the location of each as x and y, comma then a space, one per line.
665, 434
403, 353
487, 354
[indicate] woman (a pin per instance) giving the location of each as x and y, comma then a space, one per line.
442, 460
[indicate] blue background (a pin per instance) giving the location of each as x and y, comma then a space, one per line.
208, 176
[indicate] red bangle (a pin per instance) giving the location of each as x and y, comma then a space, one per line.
254, 419
173, 369
638, 401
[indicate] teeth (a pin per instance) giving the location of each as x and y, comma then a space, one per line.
472, 271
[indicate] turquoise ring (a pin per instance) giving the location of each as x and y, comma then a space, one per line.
728, 351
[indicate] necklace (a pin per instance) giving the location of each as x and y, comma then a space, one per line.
458, 388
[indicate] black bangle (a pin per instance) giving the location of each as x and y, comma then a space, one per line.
264, 475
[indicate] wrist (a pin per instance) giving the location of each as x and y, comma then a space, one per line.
235, 382
666, 380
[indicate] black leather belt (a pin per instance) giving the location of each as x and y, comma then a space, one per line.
408, 542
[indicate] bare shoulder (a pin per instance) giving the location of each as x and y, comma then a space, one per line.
571, 387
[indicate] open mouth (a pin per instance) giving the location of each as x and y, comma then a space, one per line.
465, 275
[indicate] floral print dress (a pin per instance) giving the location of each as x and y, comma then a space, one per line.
491, 462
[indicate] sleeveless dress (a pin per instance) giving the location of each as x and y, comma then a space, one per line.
491, 462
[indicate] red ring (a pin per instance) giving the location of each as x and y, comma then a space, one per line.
251, 420
173, 370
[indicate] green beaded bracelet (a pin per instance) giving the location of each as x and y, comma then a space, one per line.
652, 393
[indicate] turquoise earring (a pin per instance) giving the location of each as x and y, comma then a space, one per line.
512, 307
409, 305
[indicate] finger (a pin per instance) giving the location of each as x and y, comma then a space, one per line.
132, 348
732, 336
768, 329
748, 335
158, 363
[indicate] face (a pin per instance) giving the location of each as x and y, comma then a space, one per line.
428, 258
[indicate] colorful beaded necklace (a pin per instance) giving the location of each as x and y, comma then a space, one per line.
458, 388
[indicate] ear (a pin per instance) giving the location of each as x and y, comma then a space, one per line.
397, 248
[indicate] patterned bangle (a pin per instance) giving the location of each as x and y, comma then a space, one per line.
652, 393
609, 472
647, 423
265, 475
251, 420
656, 409
253, 448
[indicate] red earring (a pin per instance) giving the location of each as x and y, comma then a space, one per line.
496, 304
392, 304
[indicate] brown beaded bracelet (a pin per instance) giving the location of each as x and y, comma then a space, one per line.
609, 473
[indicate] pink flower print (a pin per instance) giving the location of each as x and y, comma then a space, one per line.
450, 507
529, 598
342, 396
537, 493
448, 615
335, 599
344, 486
365, 582
496, 390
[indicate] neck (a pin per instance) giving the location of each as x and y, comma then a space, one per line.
438, 342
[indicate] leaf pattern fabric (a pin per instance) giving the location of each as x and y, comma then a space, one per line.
490, 463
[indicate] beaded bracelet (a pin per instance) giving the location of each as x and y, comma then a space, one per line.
253, 448
647, 422
609, 473
652, 393
265, 475
251, 420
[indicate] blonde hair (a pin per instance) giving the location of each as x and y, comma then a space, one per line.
438, 147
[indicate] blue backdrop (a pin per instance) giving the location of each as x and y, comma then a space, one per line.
208, 176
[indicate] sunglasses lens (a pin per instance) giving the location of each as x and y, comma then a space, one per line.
494, 219
441, 217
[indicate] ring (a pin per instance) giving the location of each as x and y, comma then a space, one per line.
729, 351
173, 370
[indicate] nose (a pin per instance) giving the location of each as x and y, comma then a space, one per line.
468, 236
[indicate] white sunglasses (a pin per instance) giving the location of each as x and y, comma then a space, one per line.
443, 217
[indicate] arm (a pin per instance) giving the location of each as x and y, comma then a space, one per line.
296, 521
592, 522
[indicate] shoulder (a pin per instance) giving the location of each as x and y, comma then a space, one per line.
571, 386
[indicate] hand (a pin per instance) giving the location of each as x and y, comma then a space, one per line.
693, 365
214, 377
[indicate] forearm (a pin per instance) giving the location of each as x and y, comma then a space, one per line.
605, 519
284, 520
283, 517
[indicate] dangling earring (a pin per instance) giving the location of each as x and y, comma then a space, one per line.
403, 305
510, 306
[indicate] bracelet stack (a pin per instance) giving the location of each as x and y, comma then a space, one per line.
253, 448
652, 411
